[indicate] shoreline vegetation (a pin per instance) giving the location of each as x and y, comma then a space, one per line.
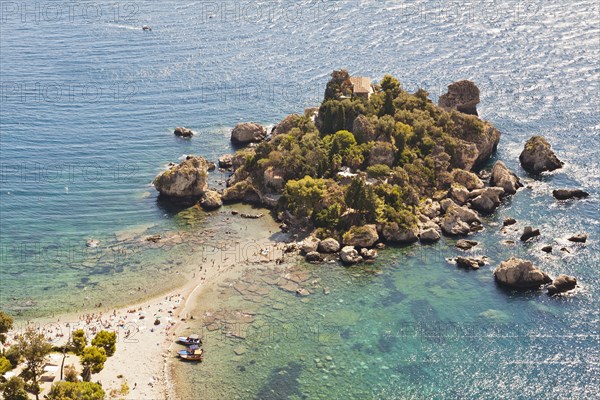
373, 165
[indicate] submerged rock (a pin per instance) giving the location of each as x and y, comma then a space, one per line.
505, 178
562, 283
462, 96
248, 132
349, 255
537, 156
529, 233
567, 194
183, 132
520, 274
464, 244
470, 262
368, 254
580, 238
361, 236
186, 180
509, 221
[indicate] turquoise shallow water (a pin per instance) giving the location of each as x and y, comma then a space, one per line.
88, 105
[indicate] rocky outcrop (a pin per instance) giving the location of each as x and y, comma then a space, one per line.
242, 191
459, 220
310, 244
537, 156
580, 238
470, 262
248, 132
361, 236
487, 201
186, 180
183, 132
430, 235
467, 179
226, 161
394, 233
562, 283
430, 208
464, 244
329, 245
459, 194
211, 200
509, 222
529, 233
349, 255
286, 125
273, 179
472, 149
520, 274
567, 194
504, 178
462, 96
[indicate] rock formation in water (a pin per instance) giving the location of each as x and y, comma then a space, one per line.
537, 156
186, 180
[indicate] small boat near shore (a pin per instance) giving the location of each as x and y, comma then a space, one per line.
192, 353
189, 340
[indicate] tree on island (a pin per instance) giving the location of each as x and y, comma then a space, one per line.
14, 389
6, 324
78, 341
92, 359
34, 348
106, 340
76, 391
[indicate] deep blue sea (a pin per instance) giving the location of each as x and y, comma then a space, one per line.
89, 102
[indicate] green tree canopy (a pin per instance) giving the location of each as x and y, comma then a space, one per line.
14, 389
107, 341
92, 359
6, 324
76, 391
79, 341
34, 348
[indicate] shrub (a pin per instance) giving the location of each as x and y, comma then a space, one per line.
379, 171
107, 341
76, 391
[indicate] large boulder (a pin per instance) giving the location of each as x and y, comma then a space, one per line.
520, 274
248, 132
314, 257
475, 142
459, 194
579, 238
286, 124
487, 201
242, 191
567, 194
459, 220
430, 208
361, 236
226, 161
467, 179
470, 262
329, 245
310, 244
462, 96
392, 232
349, 255
211, 200
529, 233
186, 180
537, 156
504, 178
562, 283
183, 132
430, 235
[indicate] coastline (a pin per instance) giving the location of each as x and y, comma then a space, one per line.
145, 352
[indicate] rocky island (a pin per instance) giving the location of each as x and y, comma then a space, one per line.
371, 165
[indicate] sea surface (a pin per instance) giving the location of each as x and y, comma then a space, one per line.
88, 105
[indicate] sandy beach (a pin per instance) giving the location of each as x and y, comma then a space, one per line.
147, 331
